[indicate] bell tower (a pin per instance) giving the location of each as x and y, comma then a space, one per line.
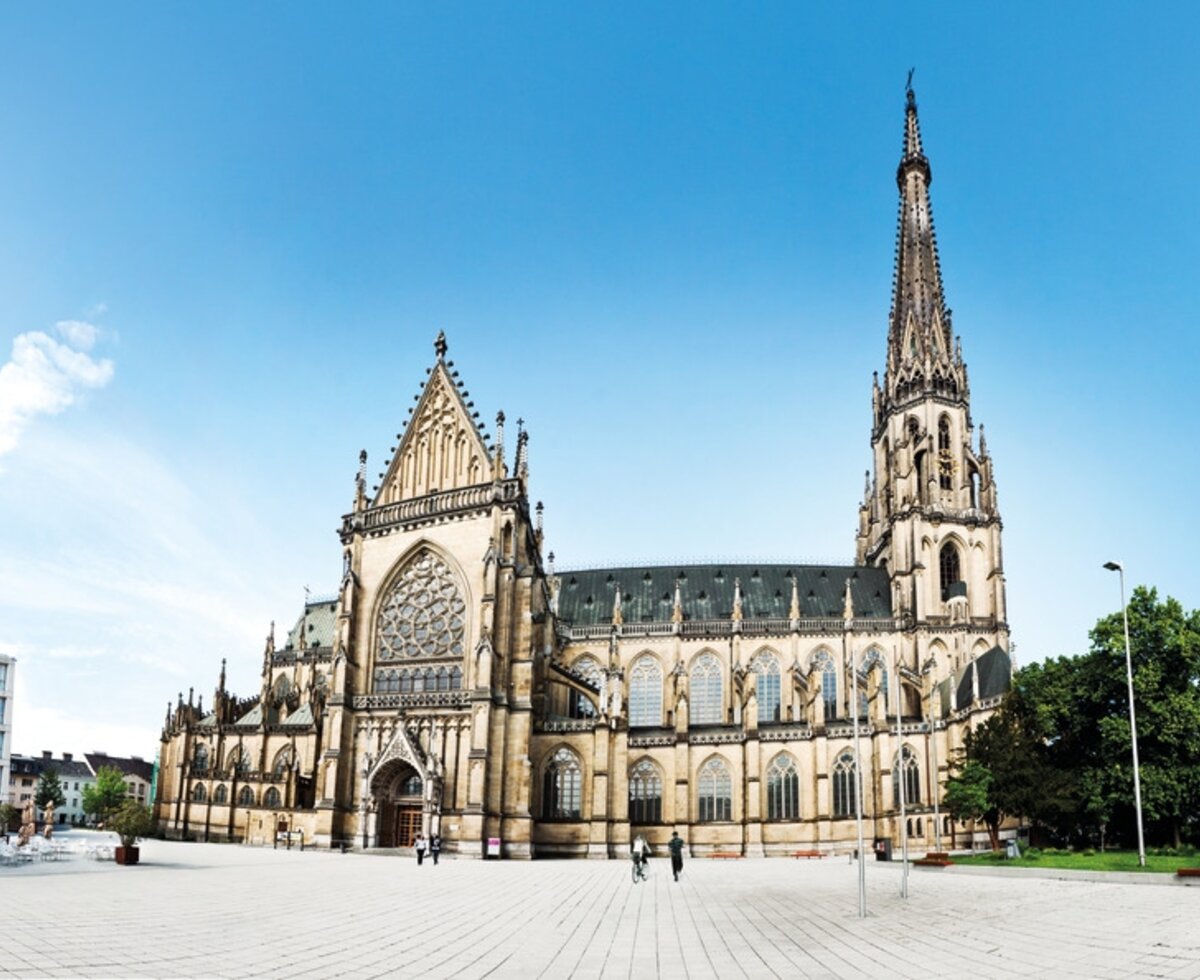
929, 513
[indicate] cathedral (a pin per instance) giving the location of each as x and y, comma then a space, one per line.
457, 684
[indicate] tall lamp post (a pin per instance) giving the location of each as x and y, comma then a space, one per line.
1116, 566
848, 656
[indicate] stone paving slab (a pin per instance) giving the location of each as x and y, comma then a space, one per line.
206, 910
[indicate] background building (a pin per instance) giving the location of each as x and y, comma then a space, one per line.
7, 667
459, 684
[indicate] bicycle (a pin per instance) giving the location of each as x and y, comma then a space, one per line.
639, 870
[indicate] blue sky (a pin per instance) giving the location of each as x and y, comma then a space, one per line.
662, 235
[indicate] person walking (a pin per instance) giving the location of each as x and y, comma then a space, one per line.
419, 846
640, 852
675, 845
435, 847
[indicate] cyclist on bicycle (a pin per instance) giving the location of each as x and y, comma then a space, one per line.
640, 852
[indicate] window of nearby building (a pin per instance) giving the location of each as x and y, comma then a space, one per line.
645, 692
246, 796
715, 792
561, 786
271, 797
845, 786
766, 665
221, 794
705, 688
783, 789
912, 779
200, 758
198, 793
645, 793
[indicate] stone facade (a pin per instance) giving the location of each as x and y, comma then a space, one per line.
458, 684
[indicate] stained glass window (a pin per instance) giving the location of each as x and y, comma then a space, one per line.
766, 665
561, 786
645, 693
845, 786
645, 793
715, 795
706, 691
783, 789
424, 614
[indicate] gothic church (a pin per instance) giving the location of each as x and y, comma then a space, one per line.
458, 685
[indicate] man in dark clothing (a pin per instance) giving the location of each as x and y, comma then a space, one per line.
675, 844
435, 847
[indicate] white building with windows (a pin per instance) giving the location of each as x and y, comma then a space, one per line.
459, 684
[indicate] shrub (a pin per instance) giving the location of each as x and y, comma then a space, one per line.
131, 822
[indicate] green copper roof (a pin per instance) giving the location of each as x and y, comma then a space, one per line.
585, 597
316, 624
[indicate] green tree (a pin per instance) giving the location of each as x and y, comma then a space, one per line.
106, 795
966, 796
49, 790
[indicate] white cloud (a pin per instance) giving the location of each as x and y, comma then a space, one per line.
78, 333
44, 377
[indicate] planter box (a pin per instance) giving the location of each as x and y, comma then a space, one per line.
127, 855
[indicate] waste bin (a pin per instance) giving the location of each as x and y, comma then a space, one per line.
883, 849
1011, 849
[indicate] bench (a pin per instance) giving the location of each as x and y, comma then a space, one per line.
934, 859
725, 855
808, 854
1187, 872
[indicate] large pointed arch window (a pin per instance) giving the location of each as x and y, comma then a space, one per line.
951, 571
645, 793
714, 792
200, 758
283, 761
906, 768
271, 798
845, 786
822, 665
707, 702
645, 693
579, 705
766, 666
245, 796
783, 789
423, 614
221, 794
562, 784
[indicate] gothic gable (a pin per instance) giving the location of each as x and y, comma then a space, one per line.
441, 448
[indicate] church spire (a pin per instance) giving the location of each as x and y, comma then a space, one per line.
922, 359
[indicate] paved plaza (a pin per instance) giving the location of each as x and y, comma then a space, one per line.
197, 910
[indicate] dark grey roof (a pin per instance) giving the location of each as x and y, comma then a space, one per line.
36, 765
316, 623
129, 766
995, 677
585, 597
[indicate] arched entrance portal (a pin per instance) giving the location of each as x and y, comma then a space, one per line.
401, 805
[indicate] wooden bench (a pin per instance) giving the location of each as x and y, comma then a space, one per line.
725, 855
934, 859
808, 854
1187, 873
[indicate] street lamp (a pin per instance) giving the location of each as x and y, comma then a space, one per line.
1116, 566
847, 622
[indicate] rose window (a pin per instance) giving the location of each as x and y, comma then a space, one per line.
422, 615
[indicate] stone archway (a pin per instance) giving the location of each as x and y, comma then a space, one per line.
399, 794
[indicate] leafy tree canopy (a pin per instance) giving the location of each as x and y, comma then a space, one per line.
106, 795
49, 790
